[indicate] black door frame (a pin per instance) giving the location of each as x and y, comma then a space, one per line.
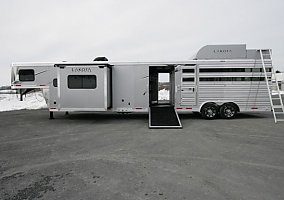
153, 83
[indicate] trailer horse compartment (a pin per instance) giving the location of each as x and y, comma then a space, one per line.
220, 81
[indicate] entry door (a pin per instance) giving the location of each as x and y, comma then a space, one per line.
153, 86
188, 87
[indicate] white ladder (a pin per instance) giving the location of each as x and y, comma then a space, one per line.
271, 83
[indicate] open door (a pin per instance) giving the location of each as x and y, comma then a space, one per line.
162, 112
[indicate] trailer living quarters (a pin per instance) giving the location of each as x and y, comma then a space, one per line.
221, 80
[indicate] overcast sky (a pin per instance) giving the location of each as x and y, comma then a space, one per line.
130, 30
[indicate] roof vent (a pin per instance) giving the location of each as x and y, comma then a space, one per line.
100, 59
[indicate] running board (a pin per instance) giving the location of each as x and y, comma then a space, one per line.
163, 117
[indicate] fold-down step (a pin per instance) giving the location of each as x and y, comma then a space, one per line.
163, 117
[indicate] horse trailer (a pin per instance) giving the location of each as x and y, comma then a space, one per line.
220, 81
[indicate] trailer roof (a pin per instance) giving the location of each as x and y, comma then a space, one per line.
188, 62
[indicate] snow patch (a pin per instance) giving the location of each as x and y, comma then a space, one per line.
31, 101
164, 94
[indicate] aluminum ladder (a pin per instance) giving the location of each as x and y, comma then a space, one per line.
271, 83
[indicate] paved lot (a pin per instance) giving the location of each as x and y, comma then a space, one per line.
93, 156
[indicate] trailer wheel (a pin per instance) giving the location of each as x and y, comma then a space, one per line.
195, 113
209, 111
228, 111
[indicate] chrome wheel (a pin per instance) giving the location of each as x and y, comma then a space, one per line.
209, 111
228, 111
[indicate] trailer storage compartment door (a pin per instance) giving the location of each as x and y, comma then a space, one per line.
84, 88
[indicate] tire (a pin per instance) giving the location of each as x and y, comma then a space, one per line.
228, 111
196, 113
209, 111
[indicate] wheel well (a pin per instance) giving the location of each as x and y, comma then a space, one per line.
236, 105
206, 103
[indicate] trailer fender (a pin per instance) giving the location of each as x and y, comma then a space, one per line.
236, 105
206, 102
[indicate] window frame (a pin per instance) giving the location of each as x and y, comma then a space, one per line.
26, 70
83, 84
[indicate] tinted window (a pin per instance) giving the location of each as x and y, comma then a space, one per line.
224, 70
82, 82
232, 79
187, 79
213, 70
256, 70
26, 75
188, 70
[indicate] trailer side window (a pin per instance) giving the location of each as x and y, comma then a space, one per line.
223, 70
232, 79
256, 69
82, 81
229, 70
26, 75
188, 79
55, 82
188, 71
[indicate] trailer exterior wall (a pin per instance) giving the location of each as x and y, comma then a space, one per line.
198, 87
130, 88
130, 84
43, 72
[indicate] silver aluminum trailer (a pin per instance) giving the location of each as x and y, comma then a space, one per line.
222, 80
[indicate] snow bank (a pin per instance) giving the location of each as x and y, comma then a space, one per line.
32, 101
